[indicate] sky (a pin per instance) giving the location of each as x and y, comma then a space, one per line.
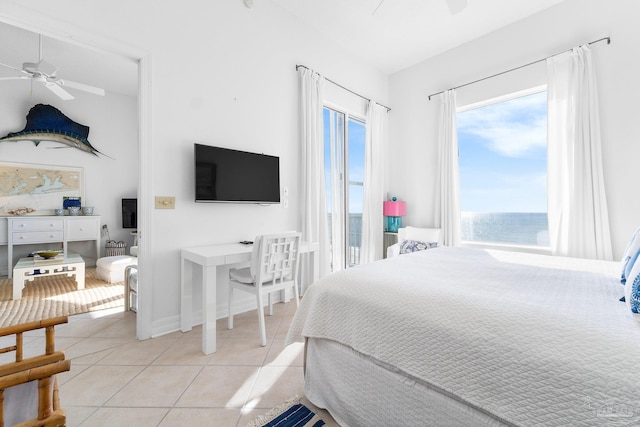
503, 156
356, 135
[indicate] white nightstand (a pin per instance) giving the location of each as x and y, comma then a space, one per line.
390, 238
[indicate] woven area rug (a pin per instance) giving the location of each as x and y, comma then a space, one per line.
54, 296
292, 413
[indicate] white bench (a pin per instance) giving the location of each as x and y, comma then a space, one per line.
111, 268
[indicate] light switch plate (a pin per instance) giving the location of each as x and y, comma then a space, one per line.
165, 202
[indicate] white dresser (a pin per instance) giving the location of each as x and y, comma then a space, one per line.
29, 230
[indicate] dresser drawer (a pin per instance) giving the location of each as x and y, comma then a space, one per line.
37, 224
20, 238
82, 229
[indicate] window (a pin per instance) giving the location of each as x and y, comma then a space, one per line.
503, 170
344, 142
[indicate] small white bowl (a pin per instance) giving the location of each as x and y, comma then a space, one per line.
74, 210
87, 210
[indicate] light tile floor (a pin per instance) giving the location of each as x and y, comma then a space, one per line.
116, 380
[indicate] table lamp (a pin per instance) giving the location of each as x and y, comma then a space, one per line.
394, 210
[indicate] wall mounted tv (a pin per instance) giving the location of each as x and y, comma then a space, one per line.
129, 213
232, 176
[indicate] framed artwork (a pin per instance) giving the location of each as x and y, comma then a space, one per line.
38, 188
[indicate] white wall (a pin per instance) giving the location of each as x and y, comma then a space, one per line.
414, 121
112, 120
221, 75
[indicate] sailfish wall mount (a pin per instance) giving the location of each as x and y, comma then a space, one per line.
47, 123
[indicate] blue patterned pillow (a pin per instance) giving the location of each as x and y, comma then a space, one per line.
408, 246
632, 291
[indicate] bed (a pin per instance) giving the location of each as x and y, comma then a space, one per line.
469, 337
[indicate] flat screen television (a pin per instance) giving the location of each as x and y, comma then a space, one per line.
129, 213
232, 176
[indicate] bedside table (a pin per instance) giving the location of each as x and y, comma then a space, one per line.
390, 238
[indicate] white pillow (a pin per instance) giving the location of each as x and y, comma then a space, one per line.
420, 234
630, 255
632, 291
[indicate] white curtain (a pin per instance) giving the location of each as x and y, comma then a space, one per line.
448, 198
372, 219
314, 208
577, 205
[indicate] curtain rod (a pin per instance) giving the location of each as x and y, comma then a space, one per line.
347, 89
608, 39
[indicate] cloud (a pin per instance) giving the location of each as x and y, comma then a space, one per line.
511, 128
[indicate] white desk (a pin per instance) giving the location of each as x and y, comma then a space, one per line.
209, 258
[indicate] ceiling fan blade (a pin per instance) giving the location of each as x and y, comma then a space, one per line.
63, 94
13, 68
15, 78
456, 6
81, 86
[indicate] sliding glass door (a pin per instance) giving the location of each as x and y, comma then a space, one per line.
344, 142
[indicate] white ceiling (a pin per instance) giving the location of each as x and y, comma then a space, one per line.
399, 34
402, 33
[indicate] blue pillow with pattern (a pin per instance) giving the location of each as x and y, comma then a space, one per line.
632, 291
408, 246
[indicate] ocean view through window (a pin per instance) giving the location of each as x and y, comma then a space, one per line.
503, 170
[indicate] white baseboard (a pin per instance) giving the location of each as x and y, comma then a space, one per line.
170, 324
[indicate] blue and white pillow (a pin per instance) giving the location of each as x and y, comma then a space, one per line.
630, 256
408, 246
632, 291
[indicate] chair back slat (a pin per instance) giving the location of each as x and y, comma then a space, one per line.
278, 257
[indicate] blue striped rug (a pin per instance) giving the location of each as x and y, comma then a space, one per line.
291, 414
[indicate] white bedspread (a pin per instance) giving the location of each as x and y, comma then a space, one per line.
530, 339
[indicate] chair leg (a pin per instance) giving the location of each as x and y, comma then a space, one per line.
230, 318
263, 333
270, 302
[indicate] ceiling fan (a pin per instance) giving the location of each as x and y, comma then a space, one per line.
45, 73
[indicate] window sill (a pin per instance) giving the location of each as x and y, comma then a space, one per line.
541, 250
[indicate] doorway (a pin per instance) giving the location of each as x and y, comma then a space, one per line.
73, 40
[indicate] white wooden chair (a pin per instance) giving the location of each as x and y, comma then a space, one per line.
274, 267
28, 386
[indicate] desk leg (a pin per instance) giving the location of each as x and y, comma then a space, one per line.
186, 295
209, 309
